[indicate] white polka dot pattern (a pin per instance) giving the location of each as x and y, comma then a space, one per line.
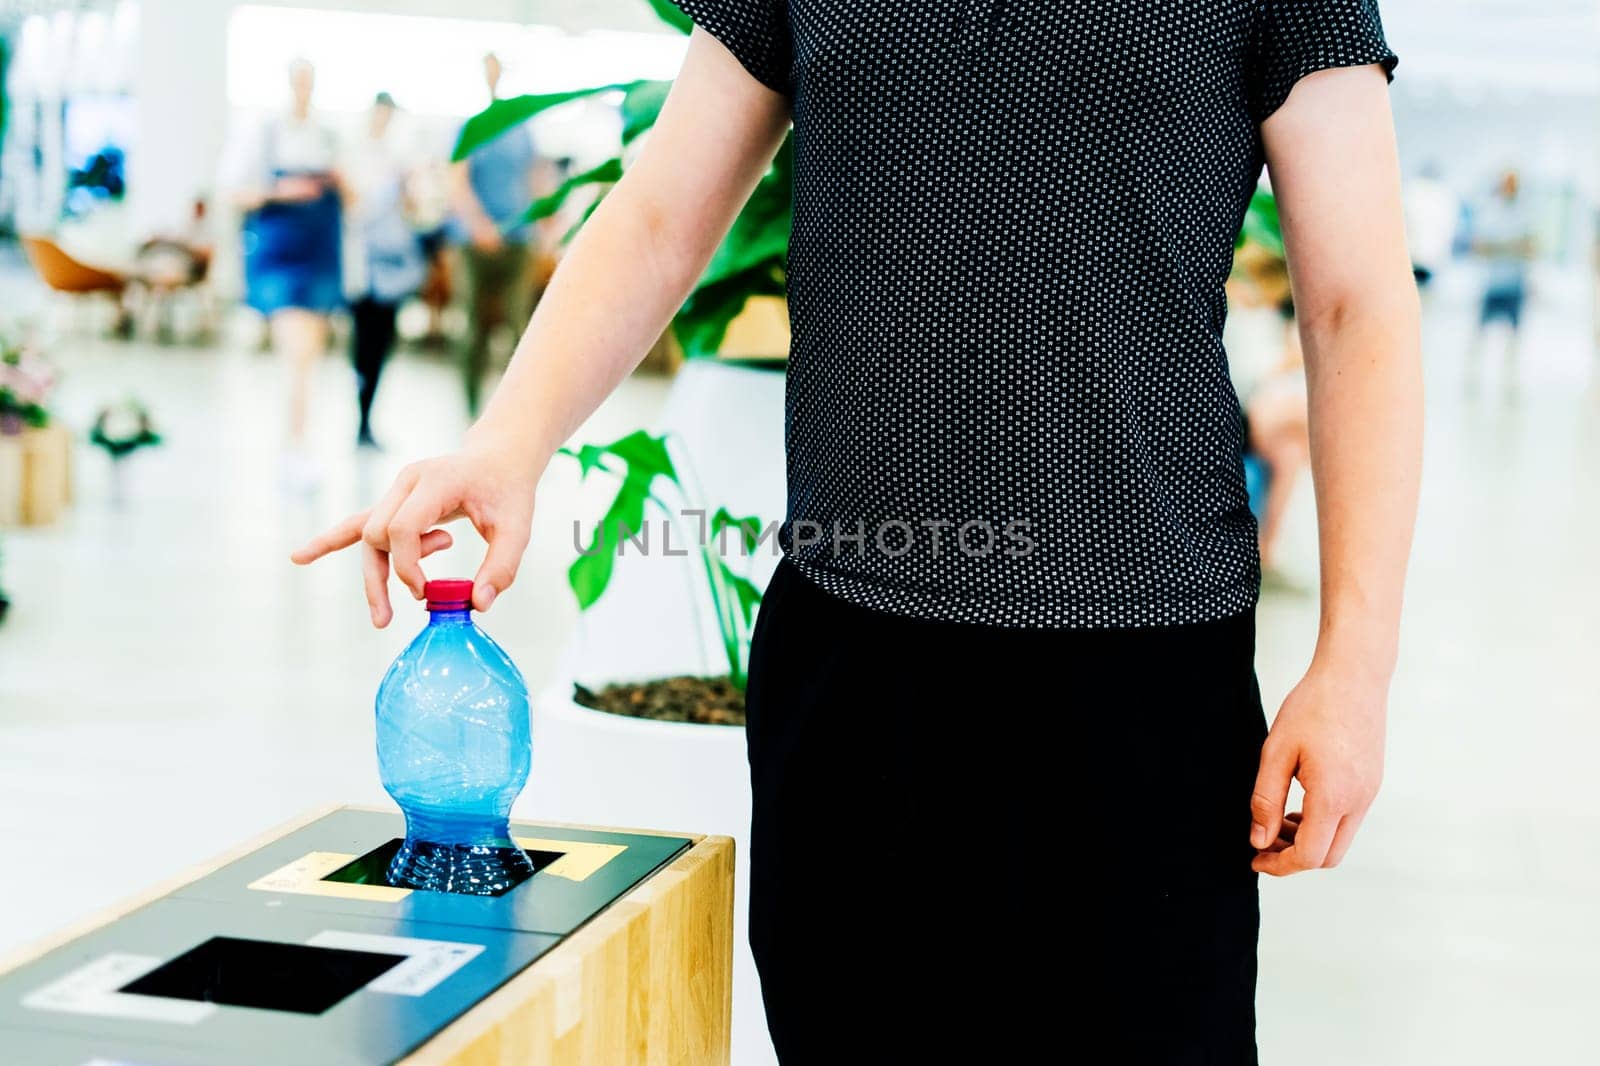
1013, 222
755, 31
1294, 38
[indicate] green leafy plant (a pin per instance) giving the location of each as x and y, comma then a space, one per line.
1260, 275
640, 464
752, 260
123, 428
1262, 226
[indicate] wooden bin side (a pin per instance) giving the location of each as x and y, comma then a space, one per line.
647, 983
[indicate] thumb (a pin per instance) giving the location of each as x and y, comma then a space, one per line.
500, 564
1271, 793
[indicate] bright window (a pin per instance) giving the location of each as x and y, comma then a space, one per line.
432, 66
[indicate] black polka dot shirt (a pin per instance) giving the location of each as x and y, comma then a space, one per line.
1008, 401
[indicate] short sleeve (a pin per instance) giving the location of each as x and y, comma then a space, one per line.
1294, 38
755, 31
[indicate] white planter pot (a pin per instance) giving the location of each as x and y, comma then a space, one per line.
605, 769
729, 421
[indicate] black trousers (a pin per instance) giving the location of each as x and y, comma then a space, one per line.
974, 843
372, 336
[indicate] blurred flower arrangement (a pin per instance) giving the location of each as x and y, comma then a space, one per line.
26, 381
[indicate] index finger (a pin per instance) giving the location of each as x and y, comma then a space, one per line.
336, 538
414, 518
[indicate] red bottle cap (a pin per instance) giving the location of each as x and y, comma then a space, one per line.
453, 595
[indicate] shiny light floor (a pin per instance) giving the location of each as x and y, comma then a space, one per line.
170, 685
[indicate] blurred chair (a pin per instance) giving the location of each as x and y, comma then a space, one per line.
167, 271
62, 273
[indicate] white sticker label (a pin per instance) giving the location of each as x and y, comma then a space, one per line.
428, 962
92, 989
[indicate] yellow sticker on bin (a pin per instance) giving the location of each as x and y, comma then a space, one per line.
579, 858
305, 876
579, 861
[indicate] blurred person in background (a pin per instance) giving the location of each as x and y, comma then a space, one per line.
1433, 213
490, 190
388, 265
1503, 237
286, 180
430, 207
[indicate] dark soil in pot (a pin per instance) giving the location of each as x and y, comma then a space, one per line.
701, 700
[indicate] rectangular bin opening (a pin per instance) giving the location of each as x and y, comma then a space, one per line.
372, 868
264, 974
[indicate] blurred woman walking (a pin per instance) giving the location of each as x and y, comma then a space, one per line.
288, 185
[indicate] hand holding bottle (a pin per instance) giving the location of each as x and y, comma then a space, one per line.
490, 485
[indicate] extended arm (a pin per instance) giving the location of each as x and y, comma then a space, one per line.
618, 287
1331, 154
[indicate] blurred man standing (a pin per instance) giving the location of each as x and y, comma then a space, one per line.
1502, 234
489, 191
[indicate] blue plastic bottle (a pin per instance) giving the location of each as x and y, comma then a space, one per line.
453, 751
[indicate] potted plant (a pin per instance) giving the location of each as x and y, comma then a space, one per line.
684, 765
122, 429
731, 312
647, 725
35, 452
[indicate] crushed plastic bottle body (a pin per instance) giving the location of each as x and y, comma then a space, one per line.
454, 748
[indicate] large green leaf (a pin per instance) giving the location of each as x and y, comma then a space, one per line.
1261, 223
702, 322
752, 258
748, 528
747, 592
672, 15
760, 234
572, 230
645, 455
502, 115
642, 106
751, 261
750, 243
644, 458
607, 173
590, 572
590, 457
